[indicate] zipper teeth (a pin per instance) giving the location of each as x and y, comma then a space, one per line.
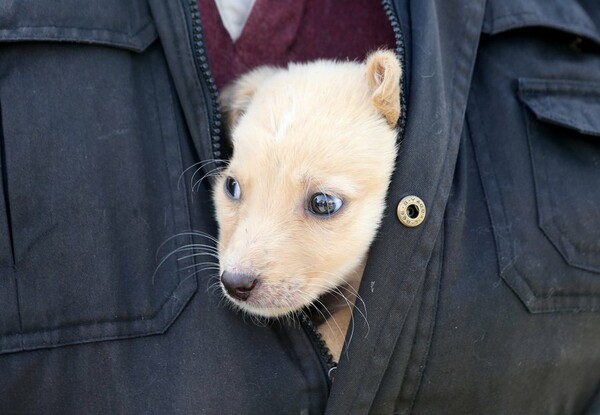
390, 11
319, 343
201, 59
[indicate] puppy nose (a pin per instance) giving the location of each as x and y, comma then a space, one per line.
238, 285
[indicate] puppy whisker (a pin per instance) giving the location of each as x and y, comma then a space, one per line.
190, 234
202, 247
206, 265
197, 255
200, 165
316, 300
210, 173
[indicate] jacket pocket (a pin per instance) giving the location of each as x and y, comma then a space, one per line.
534, 117
563, 127
91, 160
557, 266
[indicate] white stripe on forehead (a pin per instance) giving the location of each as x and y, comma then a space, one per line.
280, 129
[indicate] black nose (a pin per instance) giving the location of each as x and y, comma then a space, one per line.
238, 285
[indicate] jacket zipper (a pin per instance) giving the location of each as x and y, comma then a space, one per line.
327, 363
392, 15
211, 95
214, 117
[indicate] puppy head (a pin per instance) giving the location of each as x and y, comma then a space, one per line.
303, 195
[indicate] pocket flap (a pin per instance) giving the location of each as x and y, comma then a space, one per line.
571, 17
127, 24
570, 104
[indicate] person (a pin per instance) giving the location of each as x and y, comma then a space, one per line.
110, 118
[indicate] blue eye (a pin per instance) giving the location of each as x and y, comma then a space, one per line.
322, 204
232, 188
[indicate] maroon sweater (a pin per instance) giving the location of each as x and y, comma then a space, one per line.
282, 31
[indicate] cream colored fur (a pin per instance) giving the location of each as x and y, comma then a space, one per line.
322, 127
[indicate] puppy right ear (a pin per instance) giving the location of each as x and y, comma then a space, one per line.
384, 73
236, 97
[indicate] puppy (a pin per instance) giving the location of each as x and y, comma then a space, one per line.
302, 197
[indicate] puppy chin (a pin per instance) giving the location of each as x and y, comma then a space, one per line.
267, 312
260, 308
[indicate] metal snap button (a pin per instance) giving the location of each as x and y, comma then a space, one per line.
411, 211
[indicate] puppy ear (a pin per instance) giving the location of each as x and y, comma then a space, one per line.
236, 97
383, 73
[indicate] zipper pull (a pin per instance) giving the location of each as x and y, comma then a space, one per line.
331, 372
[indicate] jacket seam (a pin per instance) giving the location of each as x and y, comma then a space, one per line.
87, 29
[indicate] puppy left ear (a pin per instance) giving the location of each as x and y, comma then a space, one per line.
383, 74
236, 98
